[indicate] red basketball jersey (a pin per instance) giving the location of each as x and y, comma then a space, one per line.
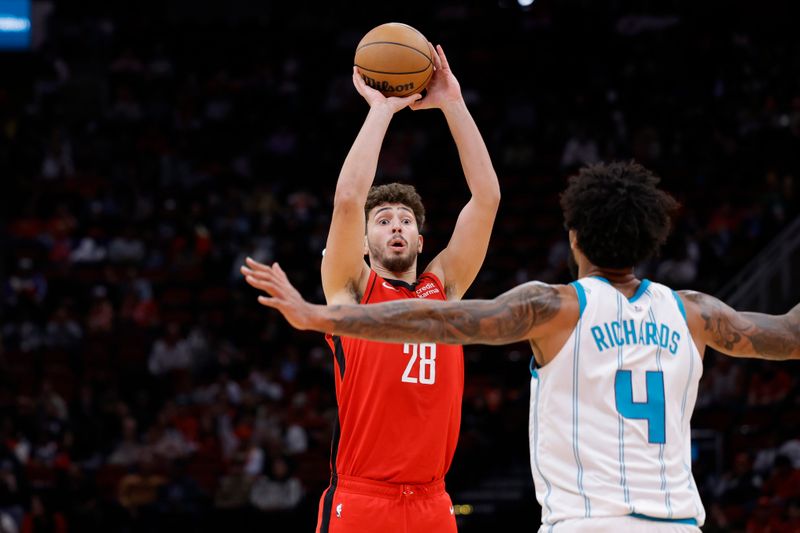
399, 404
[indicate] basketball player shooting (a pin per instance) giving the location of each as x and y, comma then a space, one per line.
617, 360
399, 404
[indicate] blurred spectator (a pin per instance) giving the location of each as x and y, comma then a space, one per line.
7, 524
737, 487
783, 484
57, 162
791, 449
138, 305
234, 488
42, 520
181, 499
25, 285
680, 269
171, 352
765, 457
129, 451
89, 249
166, 441
769, 386
279, 490
139, 489
13, 486
63, 331
580, 150
126, 248
101, 312
727, 381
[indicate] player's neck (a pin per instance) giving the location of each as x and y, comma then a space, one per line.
409, 276
624, 279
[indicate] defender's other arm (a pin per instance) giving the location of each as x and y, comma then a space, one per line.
742, 334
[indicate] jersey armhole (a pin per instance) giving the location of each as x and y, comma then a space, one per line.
534, 368
581, 296
681, 308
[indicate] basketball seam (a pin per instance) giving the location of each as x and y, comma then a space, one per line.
414, 29
418, 33
398, 44
429, 77
384, 72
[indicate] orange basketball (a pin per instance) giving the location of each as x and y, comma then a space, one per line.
395, 59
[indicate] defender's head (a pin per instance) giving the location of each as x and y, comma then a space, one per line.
395, 216
616, 214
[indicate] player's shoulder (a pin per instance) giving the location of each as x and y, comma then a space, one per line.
695, 302
562, 298
571, 300
535, 288
693, 296
556, 307
565, 292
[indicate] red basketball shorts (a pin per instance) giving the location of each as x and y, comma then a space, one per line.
356, 505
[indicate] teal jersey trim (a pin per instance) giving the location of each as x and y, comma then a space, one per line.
687, 521
680, 304
581, 296
643, 286
641, 290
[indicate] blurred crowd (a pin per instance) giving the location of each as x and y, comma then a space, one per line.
145, 154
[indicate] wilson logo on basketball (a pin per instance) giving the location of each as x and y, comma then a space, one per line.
385, 86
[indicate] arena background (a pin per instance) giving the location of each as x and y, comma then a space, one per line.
146, 148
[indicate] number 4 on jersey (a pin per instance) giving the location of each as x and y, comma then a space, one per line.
652, 410
427, 363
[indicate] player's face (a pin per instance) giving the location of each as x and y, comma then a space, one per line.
393, 237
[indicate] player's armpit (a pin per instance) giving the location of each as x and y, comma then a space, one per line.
343, 264
519, 314
741, 334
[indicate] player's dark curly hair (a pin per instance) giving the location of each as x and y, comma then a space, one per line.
396, 193
620, 215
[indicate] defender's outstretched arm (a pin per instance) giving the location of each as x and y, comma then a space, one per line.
513, 316
742, 334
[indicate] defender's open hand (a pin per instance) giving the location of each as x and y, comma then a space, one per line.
282, 294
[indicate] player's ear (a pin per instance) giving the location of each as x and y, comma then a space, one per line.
419, 243
573, 239
366, 245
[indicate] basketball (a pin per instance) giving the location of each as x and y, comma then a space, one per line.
395, 59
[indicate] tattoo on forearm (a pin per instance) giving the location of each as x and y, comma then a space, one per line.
783, 343
507, 318
767, 336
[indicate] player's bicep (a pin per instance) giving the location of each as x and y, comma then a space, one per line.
458, 264
740, 334
343, 263
529, 311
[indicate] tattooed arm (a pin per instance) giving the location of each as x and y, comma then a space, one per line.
742, 334
521, 313
511, 317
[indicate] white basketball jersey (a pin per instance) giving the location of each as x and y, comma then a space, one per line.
609, 419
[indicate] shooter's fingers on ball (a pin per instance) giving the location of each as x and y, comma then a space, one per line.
437, 62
